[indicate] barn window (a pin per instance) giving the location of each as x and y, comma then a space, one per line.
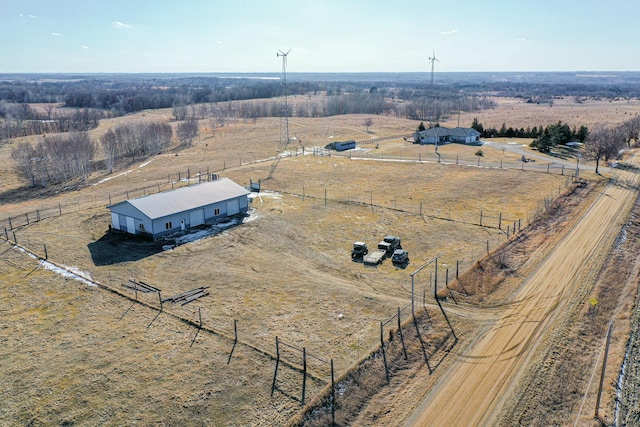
141, 227
216, 211
168, 225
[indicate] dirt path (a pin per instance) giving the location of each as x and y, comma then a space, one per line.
473, 390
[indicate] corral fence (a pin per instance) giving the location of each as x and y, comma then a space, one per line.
403, 337
302, 365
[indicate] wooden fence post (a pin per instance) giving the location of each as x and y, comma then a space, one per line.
480, 218
46, 255
604, 366
404, 348
333, 397
500, 221
275, 374
304, 372
60, 209
384, 356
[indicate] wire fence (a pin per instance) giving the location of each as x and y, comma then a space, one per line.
306, 373
298, 360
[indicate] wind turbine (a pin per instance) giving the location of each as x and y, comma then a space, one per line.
284, 128
433, 60
284, 120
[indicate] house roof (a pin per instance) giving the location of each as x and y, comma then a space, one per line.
186, 198
443, 132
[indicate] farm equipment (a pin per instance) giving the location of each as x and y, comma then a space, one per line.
359, 250
400, 256
385, 249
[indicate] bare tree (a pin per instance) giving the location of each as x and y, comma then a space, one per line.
186, 131
109, 144
632, 130
368, 122
604, 142
180, 110
84, 150
23, 154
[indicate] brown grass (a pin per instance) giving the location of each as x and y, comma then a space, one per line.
287, 273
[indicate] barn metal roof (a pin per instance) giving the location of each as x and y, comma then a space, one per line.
441, 132
187, 198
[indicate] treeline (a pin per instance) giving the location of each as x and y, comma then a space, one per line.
55, 159
135, 140
351, 103
606, 142
560, 133
63, 158
22, 120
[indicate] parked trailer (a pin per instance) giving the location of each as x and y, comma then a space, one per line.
374, 257
346, 145
385, 249
341, 145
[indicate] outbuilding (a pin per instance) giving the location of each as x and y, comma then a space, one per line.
442, 135
160, 214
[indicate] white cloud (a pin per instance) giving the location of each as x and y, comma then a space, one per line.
219, 42
56, 34
32, 16
447, 33
84, 47
118, 24
521, 39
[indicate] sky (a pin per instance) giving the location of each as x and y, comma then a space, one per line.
209, 36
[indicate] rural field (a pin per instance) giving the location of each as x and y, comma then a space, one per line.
80, 354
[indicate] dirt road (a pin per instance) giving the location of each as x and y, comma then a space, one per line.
473, 390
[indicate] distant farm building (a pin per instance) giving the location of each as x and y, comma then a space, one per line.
159, 214
341, 146
441, 135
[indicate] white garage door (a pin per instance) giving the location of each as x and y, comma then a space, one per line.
196, 217
115, 220
233, 207
131, 226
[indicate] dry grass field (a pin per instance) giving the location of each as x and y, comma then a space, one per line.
85, 356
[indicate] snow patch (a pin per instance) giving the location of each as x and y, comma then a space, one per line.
69, 272
112, 177
26, 252
214, 229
